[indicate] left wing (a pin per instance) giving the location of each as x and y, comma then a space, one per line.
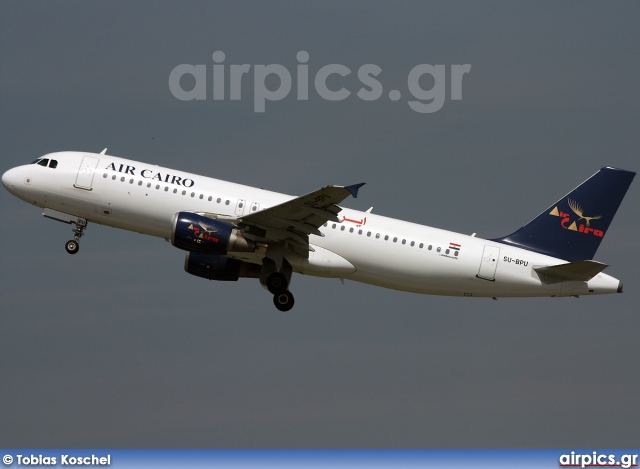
295, 220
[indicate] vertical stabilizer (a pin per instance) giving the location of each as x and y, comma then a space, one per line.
574, 226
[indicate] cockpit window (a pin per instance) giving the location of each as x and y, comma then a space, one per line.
45, 162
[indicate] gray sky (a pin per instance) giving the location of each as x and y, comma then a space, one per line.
119, 347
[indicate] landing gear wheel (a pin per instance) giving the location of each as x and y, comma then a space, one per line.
283, 301
72, 246
277, 283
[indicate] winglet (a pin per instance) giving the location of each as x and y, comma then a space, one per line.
353, 189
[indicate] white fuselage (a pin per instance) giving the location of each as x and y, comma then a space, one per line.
363, 247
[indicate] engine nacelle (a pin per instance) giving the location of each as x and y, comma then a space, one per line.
197, 233
217, 267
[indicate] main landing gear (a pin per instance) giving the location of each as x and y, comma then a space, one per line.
278, 285
276, 279
283, 301
73, 245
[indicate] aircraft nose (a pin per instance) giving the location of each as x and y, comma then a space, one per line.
10, 179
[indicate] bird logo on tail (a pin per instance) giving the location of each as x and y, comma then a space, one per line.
577, 209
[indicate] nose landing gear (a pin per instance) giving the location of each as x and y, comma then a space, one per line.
73, 245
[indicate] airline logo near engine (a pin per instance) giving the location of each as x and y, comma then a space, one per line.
202, 233
193, 232
198, 233
568, 222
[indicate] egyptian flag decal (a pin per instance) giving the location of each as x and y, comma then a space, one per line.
455, 246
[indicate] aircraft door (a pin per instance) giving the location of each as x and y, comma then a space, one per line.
87, 170
489, 263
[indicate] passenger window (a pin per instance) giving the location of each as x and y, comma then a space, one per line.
166, 189
219, 200
130, 181
333, 226
139, 183
368, 233
240, 205
359, 232
210, 199
439, 249
53, 164
227, 202
395, 240
430, 247
184, 192
421, 246
413, 243
201, 196
113, 177
455, 253
350, 230
148, 184
377, 235
44, 162
104, 175
447, 251
386, 237
122, 179
342, 228
175, 191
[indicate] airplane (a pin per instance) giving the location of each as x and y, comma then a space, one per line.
231, 231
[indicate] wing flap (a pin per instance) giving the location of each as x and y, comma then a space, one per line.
581, 271
330, 212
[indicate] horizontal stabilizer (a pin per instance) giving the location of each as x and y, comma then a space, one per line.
582, 271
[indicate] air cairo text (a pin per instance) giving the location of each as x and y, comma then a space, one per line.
150, 174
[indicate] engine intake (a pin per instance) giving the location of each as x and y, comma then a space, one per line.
217, 267
197, 233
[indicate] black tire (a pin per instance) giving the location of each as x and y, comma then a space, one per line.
72, 246
277, 283
283, 301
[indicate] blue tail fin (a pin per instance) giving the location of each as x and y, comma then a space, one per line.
574, 226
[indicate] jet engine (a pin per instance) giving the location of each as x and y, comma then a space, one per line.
197, 233
217, 267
